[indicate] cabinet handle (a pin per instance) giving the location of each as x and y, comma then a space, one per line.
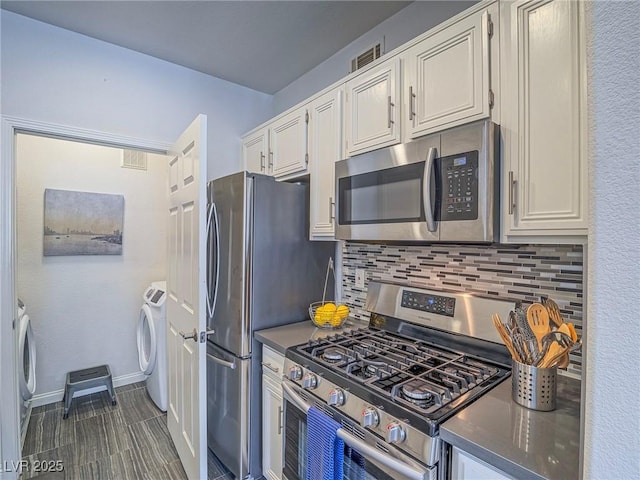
390, 106
332, 204
280, 412
273, 369
262, 161
271, 160
512, 184
412, 96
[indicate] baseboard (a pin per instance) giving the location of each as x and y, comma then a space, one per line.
57, 395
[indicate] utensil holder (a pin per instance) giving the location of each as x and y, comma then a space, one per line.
534, 387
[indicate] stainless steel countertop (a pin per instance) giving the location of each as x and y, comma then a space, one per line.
280, 338
523, 443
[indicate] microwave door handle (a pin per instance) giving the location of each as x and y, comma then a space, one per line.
426, 190
412, 471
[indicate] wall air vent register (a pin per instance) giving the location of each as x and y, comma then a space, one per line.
369, 55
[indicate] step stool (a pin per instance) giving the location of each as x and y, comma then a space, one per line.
79, 380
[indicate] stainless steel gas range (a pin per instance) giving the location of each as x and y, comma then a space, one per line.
424, 357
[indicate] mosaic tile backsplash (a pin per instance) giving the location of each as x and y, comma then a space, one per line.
514, 272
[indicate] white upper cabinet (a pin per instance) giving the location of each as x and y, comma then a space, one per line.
373, 108
279, 148
325, 146
288, 142
447, 75
255, 149
544, 120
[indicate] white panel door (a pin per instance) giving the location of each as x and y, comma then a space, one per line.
186, 288
448, 77
288, 144
373, 109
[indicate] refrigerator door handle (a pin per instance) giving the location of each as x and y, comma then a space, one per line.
213, 215
219, 361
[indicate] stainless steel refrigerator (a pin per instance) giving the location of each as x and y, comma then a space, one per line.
262, 272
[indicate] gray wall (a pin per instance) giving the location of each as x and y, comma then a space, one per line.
57, 76
612, 423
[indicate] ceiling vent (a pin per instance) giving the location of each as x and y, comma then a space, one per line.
369, 55
134, 159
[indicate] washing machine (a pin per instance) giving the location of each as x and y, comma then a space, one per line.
26, 366
152, 342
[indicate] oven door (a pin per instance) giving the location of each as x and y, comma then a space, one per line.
363, 457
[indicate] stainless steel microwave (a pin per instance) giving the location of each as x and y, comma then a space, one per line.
438, 188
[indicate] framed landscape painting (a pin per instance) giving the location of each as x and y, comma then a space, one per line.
81, 223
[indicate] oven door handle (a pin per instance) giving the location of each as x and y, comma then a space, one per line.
414, 472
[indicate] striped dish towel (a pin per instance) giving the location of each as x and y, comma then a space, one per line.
325, 451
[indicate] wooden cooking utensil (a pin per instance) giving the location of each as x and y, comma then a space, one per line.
554, 312
572, 331
538, 319
502, 331
550, 361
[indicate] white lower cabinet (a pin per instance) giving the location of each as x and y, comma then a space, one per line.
467, 467
272, 413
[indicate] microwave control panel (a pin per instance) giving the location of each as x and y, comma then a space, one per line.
459, 174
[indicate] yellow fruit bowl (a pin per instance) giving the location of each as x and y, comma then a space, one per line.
328, 315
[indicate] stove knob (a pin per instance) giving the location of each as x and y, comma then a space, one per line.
370, 417
336, 397
295, 373
310, 381
395, 433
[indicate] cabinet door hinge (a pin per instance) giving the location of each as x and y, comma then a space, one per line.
489, 26
491, 98
306, 117
306, 158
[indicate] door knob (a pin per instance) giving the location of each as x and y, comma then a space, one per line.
193, 336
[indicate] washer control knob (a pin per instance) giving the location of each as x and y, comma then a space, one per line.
395, 433
295, 373
336, 397
370, 417
309, 381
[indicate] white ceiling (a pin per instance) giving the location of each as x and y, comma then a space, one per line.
264, 45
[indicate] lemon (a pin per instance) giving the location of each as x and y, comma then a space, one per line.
336, 320
342, 311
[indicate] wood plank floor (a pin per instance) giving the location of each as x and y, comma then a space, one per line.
103, 442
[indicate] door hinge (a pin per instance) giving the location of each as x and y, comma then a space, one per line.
491, 98
306, 117
13, 324
306, 158
489, 26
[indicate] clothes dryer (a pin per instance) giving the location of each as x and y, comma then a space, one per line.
152, 342
26, 366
